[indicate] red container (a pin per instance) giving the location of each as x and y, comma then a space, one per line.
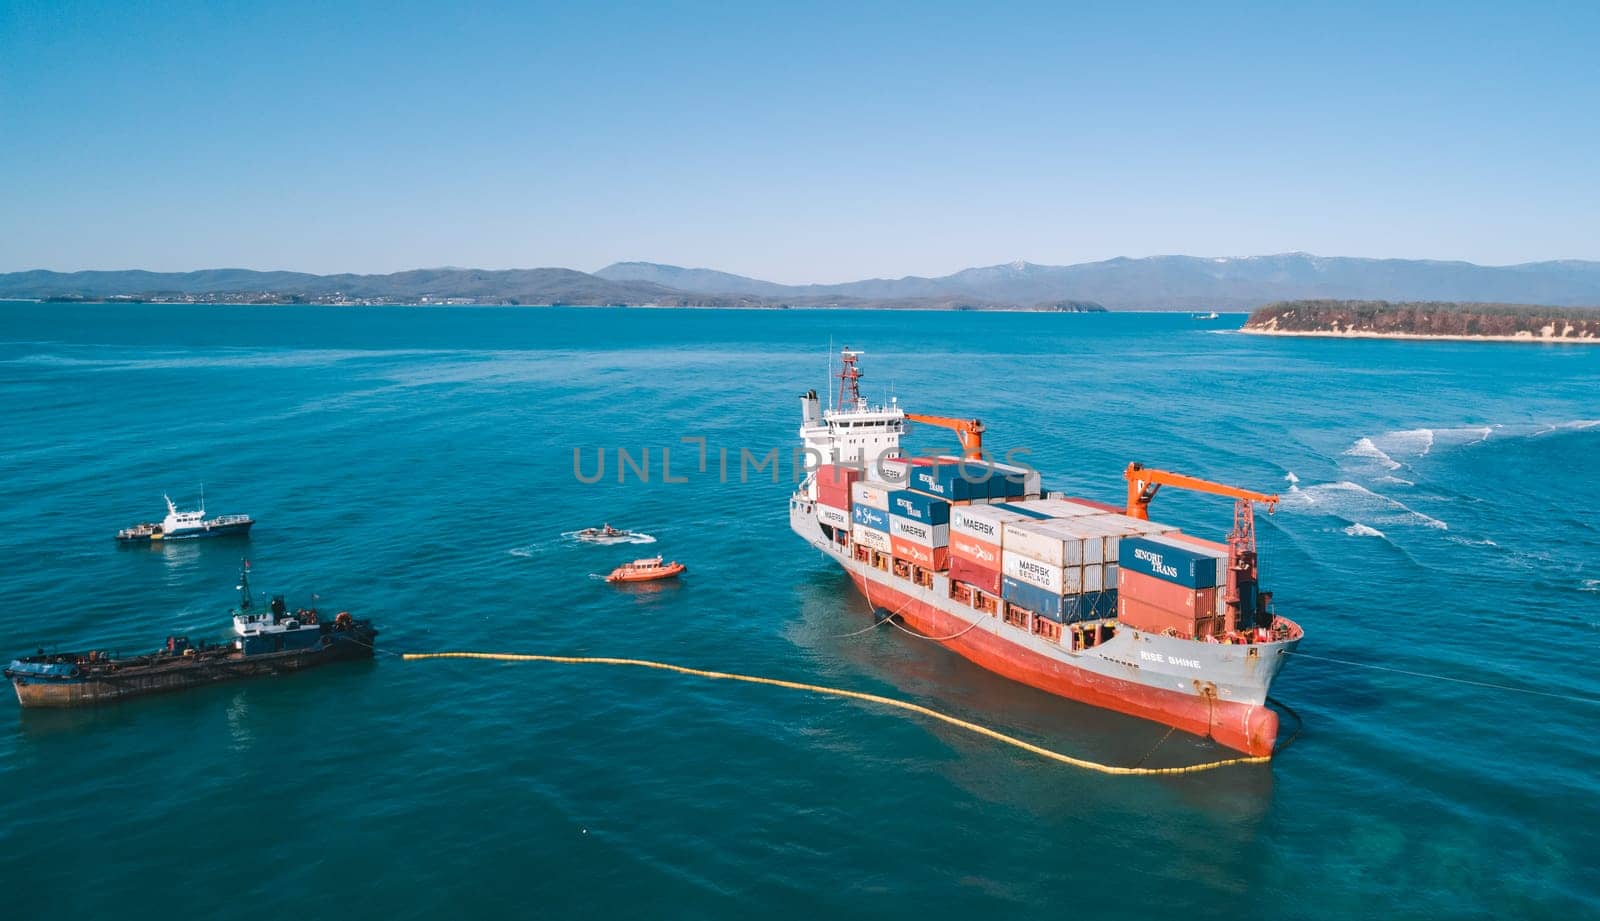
1139, 615
965, 570
1166, 596
937, 558
833, 484
980, 552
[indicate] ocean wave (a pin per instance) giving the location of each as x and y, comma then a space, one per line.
1395, 480
1357, 504
1591, 585
1360, 530
1365, 448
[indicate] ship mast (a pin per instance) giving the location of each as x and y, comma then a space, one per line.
849, 379
244, 585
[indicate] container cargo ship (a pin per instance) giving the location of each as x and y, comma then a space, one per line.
272, 642
1085, 600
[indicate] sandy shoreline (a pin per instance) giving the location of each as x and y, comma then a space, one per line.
1530, 338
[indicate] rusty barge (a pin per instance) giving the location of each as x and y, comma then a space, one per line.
274, 642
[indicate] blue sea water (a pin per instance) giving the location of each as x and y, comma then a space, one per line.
416, 465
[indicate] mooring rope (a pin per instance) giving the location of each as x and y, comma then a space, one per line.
853, 695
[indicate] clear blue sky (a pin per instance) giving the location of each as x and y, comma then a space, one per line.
809, 143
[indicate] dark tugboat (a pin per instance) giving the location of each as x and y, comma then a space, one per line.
271, 642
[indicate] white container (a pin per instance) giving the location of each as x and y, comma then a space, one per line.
1094, 578
1040, 540
916, 532
984, 522
1054, 579
829, 515
867, 537
1059, 508
872, 495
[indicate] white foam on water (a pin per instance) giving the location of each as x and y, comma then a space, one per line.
1576, 425
1294, 481
1409, 443
1591, 585
1364, 447
1359, 505
1360, 530
1396, 480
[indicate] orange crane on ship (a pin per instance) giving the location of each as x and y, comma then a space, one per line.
968, 431
1143, 484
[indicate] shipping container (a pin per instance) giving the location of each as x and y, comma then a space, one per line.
1054, 541
1108, 531
1013, 482
872, 495
935, 558
926, 535
834, 482
1100, 506
1220, 551
869, 537
973, 573
983, 522
1061, 580
1186, 565
869, 517
980, 552
1168, 596
1147, 617
897, 470
1024, 508
951, 481
1069, 609
1055, 508
830, 515
919, 506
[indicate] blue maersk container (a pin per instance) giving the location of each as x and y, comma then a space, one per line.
869, 517
919, 507
1062, 610
1189, 568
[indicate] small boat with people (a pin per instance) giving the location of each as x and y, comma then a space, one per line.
186, 525
646, 570
276, 641
606, 534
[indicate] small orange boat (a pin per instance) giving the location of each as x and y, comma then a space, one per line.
646, 571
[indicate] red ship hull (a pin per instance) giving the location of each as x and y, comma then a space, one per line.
1244, 727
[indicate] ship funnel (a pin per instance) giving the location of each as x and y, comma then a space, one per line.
810, 409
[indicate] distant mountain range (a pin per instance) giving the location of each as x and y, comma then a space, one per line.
1183, 282
1157, 282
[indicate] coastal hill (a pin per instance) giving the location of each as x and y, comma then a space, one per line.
1430, 319
1154, 283
1183, 282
